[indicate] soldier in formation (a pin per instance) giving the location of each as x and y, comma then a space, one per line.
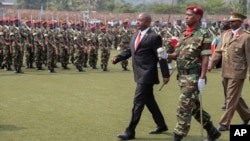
124, 36
45, 44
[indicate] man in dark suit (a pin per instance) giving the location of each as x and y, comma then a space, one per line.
143, 50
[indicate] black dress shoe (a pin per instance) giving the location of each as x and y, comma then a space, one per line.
244, 122
223, 128
126, 136
159, 130
213, 134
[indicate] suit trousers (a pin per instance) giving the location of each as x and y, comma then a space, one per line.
234, 101
144, 96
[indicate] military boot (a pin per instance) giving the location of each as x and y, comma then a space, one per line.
31, 65
125, 68
94, 67
8, 67
105, 68
85, 65
27, 66
15, 69
212, 132
79, 68
177, 137
19, 70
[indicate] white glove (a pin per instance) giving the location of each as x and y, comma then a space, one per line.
162, 54
201, 85
118, 48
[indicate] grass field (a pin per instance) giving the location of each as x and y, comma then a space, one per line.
92, 106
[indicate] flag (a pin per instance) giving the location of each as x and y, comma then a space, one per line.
41, 13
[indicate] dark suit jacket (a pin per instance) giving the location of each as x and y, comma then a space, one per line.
144, 58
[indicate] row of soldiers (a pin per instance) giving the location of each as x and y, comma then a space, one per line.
45, 44
39, 44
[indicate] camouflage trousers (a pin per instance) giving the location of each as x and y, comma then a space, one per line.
38, 57
72, 52
17, 58
7, 58
124, 63
79, 58
29, 57
93, 57
51, 57
1, 56
105, 54
86, 58
189, 104
64, 57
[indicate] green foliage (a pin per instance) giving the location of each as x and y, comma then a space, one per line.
215, 7
160, 8
239, 6
210, 6
124, 8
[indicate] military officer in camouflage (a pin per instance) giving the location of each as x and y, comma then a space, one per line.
78, 54
93, 45
63, 51
156, 27
192, 54
168, 34
28, 46
104, 47
52, 52
17, 52
7, 50
123, 39
38, 49
2, 44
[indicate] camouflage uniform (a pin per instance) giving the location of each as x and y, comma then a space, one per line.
38, 49
86, 49
17, 52
93, 45
168, 34
156, 28
28, 47
63, 52
105, 45
52, 52
2, 44
115, 38
189, 51
7, 50
78, 55
71, 46
124, 38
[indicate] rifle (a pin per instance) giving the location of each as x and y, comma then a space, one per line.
54, 46
169, 33
178, 29
213, 34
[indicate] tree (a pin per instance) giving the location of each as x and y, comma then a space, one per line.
239, 6
125, 8
160, 8
243, 5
